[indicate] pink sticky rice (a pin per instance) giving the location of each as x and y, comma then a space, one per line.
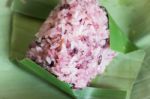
73, 43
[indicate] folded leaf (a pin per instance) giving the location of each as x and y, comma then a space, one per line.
100, 93
87, 93
31, 66
33, 7
119, 42
21, 28
141, 87
133, 17
122, 72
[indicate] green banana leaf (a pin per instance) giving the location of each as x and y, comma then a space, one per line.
122, 72
87, 93
118, 40
23, 33
33, 7
141, 87
128, 75
133, 17
124, 12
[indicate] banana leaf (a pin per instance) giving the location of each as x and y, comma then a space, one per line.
86, 93
126, 73
133, 17
33, 7
118, 40
21, 31
123, 17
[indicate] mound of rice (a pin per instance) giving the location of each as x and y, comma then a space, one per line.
73, 43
